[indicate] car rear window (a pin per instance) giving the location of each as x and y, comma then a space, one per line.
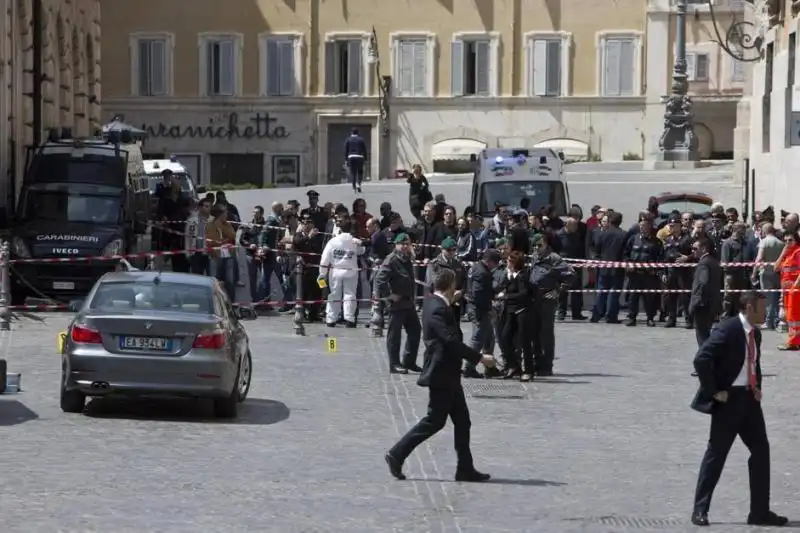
164, 296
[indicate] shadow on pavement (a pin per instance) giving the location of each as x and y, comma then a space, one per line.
557, 380
14, 412
502, 481
589, 375
255, 411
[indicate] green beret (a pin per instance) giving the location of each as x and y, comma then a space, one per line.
449, 243
401, 238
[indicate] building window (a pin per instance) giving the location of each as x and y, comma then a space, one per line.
547, 64
220, 65
344, 66
474, 61
619, 65
697, 67
280, 64
790, 71
413, 64
236, 169
151, 64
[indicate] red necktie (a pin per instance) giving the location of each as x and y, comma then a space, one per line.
752, 382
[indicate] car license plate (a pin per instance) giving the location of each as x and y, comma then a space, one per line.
63, 285
154, 344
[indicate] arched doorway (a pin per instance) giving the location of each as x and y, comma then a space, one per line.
705, 140
572, 149
455, 156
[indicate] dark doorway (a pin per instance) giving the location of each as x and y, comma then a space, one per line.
237, 169
337, 135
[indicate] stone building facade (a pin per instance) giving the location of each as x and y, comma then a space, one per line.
70, 80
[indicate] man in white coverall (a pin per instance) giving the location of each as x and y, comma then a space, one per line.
339, 267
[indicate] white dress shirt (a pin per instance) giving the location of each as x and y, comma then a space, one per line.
512, 275
741, 379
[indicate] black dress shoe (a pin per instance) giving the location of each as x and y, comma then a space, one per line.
544, 373
413, 368
700, 519
769, 519
350, 325
395, 467
331, 324
397, 369
472, 476
471, 373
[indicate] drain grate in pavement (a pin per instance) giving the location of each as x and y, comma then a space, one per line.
632, 522
496, 390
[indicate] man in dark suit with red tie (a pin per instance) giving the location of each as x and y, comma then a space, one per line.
728, 365
441, 373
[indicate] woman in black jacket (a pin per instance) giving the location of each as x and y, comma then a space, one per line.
419, 192
515, 319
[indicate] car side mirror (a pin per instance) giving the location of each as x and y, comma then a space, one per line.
245, 313
201, 189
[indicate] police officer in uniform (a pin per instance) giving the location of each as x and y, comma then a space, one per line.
396, 283
677, 250
549, 274
643, 248
447, 258
315, 211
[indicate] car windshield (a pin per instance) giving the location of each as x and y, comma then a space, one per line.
158, 179
511, 193
89, 169
164, 296
683, 206
93, 204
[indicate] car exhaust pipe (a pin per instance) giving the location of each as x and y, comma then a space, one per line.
100, 385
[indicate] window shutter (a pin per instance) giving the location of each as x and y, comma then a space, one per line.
227, 60
355, 67
701, 67
405, 57
330, 68
457, 68
144, 68
627, 68
212, 67
690, 67
483, 68
287, 68
158, 68
539, 65
273, 68
611, 67
420, 68
553, 67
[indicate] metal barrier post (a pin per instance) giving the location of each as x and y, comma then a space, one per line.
5, 287
299, 309
378, 305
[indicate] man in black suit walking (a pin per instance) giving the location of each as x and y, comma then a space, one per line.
728, 366
706, 301
441, 373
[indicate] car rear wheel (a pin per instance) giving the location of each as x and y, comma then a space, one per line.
72, 401
229, 407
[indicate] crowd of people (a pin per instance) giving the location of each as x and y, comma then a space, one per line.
516, 273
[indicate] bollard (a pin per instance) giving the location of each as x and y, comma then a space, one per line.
5, 287
299, 309
378, 305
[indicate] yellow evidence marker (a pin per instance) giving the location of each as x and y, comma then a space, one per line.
62, 341
331, 344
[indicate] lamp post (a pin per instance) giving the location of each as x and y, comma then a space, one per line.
384, 95
743, 41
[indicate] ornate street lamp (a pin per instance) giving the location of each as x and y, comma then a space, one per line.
384, 82
743, 41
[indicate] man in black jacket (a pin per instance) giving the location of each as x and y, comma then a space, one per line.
441, 373
728, 366
395, 282
573, 246
355, 153
610, 246
705, 302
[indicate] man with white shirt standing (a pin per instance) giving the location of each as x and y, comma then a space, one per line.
728, 366
338, 266
441, 373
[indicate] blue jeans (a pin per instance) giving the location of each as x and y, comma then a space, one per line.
607, 304
268, 266
225, 271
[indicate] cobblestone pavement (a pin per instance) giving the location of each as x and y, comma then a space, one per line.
607, 445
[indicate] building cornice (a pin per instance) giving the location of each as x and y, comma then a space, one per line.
256, 103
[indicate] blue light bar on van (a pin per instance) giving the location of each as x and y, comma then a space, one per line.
521, 159
499, 159
173, 158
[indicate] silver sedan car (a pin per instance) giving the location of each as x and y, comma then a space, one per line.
157, 334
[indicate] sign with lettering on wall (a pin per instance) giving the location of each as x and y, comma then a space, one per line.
286, 170
228, 127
